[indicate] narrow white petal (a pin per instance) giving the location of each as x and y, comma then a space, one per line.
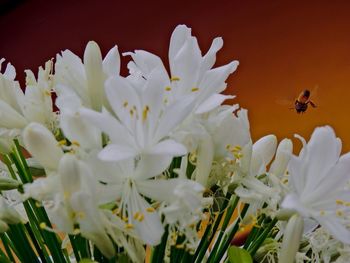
212, 102
168, 147
114, 152
111, 62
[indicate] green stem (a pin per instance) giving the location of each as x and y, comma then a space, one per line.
229, 236
159, 251
255, 246
232, 206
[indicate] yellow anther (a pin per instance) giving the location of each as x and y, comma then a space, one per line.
228, 147
180, 246
145, 113
47, 93
62, 142
37, 204
194, 89
131, 113
129, 226
284, 180
339, 202
174, 79
237, 155
339, 213
322, 212
43, 225
136, 215
167, 88
347, 203
125, 104
134, 108
80, 214
116, 211
141, 217
237, 148
150, 209
125, 218
75, 143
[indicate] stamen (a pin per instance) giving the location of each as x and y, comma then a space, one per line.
174, 79
62, 142
75, 143
339, 213
167, 88
145, 113
339, 202
125, 104
150, 209
129, 226
194, 89
322, 212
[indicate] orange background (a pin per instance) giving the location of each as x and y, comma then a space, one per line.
283, 47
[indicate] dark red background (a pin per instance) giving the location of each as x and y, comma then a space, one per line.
283, 47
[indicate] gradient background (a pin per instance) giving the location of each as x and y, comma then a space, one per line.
283, 47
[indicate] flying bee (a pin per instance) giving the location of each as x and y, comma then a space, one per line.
302, 102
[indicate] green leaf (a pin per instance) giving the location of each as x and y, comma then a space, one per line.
239, 255
87, 260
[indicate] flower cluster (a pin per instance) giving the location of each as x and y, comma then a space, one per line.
147, 160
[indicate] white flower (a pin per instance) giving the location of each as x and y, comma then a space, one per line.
129, 185
319, 178
142, 124
190, 71
85, 80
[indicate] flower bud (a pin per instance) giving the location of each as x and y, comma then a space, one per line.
263, 151
94, 74
7, 183
42, 145
291, 239
283, 154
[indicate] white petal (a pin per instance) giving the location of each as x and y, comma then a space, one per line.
212, 102
336, 228
149, 229
173, 116
109, 125
42, 145
9, 118
168, 147
151, 165
77, 129
115, 152
111, 62
210, 57
180, 34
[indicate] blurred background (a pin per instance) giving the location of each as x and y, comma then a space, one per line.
283, 47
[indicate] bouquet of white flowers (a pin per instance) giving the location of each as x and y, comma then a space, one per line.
153, 168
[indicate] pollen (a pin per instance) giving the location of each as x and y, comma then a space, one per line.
339, 213
237, 148
62, 142
228, 147
125, 218
167, 88
43, 225
150, 209
141, 217
129, 226
194, 89
125, 104
145, 113
174, 79
339, 202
